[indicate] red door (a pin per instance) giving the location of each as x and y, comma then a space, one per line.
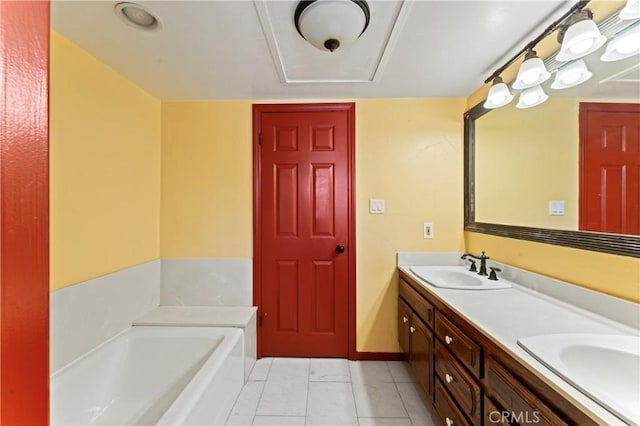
303, 267
610, 168
24, 213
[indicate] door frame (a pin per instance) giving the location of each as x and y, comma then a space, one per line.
349, 108
24, 212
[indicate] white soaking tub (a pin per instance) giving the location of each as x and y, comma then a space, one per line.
152, 375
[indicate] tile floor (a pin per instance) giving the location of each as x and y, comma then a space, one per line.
326, 392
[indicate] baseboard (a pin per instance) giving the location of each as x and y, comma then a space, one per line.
379, 356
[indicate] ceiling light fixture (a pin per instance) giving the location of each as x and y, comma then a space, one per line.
137, 16
499, 94
623, 45
330, 25
631, 10
532, 71
580, 37
571, 75
531, 97
499, 91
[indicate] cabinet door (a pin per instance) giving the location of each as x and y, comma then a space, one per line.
404, 322
421, 358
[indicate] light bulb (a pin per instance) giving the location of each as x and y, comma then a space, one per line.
531, 97
571, 75
623, 45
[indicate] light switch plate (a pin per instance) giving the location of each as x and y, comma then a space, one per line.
556, 207
376, 206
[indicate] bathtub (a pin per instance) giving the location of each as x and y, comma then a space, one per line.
152, 375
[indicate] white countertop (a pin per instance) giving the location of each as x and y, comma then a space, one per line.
505, 315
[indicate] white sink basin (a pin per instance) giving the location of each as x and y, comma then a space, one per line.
604, 367
456, 277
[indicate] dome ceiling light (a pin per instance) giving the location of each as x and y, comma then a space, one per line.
137, 16
330, 25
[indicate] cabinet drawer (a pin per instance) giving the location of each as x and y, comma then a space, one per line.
464, 389
517, 401
446, 408
459, 344
423, 308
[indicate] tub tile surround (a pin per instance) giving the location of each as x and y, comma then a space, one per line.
287, 391
535, 305
87, 314
208, 282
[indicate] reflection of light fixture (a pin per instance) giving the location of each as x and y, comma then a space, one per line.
631, 10
532, 72
331, 24
499, 94
623, 45
137, 16
571, 75
531, 97
580, 38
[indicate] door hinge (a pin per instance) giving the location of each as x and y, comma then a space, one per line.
261, 319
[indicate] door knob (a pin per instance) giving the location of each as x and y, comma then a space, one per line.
340, 248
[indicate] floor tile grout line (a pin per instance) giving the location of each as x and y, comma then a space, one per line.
404, 405
264, 385
255, 413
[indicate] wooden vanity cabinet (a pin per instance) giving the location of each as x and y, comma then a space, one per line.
473, 380
416, 339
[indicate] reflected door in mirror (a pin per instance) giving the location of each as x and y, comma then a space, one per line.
610, 168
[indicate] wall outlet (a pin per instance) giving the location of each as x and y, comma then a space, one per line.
427, 230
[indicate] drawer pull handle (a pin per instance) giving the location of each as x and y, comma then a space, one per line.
449, 422
448, 339
449, 378
405, 320
412, 329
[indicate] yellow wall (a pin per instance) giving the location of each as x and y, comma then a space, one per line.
104, 168
207, 180
408, 152
615, 275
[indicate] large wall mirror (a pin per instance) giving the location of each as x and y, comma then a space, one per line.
523, 167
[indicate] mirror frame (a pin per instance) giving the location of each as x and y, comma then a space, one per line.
618, 244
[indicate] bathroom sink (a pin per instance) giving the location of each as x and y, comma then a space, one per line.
604, 367
457, 277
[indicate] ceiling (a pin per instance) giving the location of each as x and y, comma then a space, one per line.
242, 49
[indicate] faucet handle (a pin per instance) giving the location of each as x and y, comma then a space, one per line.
472, 267
492, 275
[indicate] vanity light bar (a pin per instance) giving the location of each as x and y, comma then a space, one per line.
532, 44
609, 27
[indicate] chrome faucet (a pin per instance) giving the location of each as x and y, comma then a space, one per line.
483, 262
